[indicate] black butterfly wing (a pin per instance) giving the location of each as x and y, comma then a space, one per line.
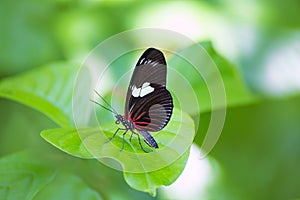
153, 112
149, 104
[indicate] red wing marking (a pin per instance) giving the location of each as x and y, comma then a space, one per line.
142, 128
125, 116
141, 123
138, 117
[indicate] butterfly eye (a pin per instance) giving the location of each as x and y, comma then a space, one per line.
117, 121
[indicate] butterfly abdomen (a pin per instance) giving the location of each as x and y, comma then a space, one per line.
149, 139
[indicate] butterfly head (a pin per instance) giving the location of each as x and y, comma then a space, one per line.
119, 118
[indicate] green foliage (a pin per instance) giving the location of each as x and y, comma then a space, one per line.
257, 155
43, 91
24, 43
49, 90
77, 141
236, 91
68, 141
68, 186
22, 177
82, 142
35, 175
148, 182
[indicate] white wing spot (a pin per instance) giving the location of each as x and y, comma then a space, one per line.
146, 90
142, 91
136, 91
145, 84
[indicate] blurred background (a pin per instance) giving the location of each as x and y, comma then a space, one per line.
258, 153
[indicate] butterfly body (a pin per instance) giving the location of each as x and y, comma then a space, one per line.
129, 125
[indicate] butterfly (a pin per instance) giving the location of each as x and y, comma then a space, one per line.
148, 105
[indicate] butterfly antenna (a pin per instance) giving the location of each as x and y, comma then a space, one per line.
103, 106
111, 109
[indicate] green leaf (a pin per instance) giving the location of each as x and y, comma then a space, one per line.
237, 93
149, 182
47, 89
22, 176
67, 140
67, 186
26, 175
174, 142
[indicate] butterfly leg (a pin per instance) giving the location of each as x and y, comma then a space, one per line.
131, 136
115, 134
139, 139
123, 139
